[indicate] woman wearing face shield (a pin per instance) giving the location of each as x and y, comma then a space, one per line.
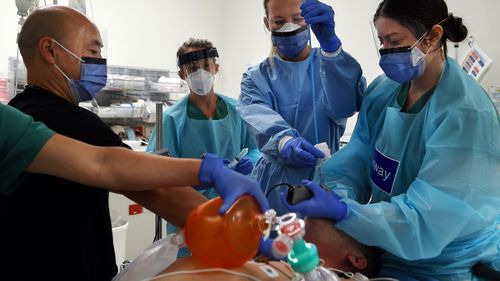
205, 121
425, 155
278, 103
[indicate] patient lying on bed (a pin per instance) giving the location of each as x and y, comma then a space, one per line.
335, 248
274, 270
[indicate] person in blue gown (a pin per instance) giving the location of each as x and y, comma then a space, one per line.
277, 100
204, 121
420, 177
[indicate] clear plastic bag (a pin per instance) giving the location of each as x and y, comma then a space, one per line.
153, 260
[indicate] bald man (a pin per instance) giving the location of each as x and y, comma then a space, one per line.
54, 229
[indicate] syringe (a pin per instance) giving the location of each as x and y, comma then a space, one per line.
238, 157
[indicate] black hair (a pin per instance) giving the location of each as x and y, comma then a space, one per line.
419, 16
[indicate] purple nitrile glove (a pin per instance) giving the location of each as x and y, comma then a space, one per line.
244, 166
228, 183
300, 152
321, 18
324, 203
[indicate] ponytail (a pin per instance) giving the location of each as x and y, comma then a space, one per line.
455, 30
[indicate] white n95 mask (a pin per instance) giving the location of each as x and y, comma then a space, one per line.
200, 82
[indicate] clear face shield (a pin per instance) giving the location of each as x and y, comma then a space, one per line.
278, 23
399, 60
199, 68
417, 54
376, 41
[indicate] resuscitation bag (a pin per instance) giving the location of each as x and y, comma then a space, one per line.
225, 241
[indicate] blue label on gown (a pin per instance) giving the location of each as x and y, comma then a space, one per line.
383, 171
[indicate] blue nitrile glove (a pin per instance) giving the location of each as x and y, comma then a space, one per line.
229, 184
244, 166
320, 17
324, 203
301, 153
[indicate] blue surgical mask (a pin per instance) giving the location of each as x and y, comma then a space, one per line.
290, 40
93, 77
403, 64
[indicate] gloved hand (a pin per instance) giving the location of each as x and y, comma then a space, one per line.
244, 166
229, 184
301, 153
324, 203
320, 17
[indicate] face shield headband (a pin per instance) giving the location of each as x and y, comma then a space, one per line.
197, 55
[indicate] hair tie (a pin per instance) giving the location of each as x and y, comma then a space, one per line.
445, 19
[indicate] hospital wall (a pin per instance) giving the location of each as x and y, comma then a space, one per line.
246, 41
148, 33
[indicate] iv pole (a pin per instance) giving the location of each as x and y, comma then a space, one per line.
23, 9
159, 143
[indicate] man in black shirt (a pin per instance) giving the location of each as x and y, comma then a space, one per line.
53, 228
61, 218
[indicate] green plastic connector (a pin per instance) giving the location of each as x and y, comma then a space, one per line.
303, 257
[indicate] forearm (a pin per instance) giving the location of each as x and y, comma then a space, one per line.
128, 170
112, 167
173, 204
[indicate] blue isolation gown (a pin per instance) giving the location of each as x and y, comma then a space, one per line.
433, 178
276, 100
189, 138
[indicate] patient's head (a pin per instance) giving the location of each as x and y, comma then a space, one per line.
339, 250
